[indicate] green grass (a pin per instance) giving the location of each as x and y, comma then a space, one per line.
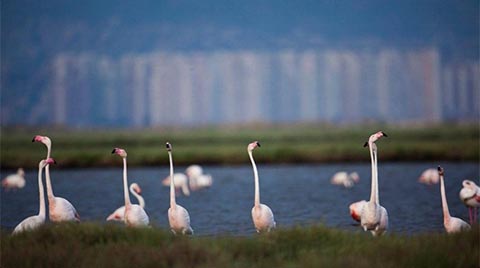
227, 145
94, 245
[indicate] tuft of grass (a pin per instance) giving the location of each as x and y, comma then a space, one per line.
94, 245
226, 145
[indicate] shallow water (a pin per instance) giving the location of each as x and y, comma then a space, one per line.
297, 194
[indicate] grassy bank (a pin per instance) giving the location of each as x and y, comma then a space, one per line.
227, 145
92, 245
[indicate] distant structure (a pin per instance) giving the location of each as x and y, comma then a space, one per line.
239, 86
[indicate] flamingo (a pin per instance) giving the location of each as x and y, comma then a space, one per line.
356, 209
36, 221
262, 215
119, 213
180, 182
452, 224
14, 181
470, 196
374, 217
59, 208
344, 179
135, 215
197, 180
429, 176
194, 171
178, 217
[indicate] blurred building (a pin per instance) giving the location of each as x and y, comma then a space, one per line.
194, 88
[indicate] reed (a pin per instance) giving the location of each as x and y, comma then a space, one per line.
226, 145
95, 245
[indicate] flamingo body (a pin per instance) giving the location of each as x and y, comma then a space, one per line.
344, 179
135, 216
263, 218
201, 181
60, 210
356, 209
14, 181
119, 213
179, 220
429, 177
180, 181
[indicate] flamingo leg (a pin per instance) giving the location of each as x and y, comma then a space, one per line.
475, 214
470, 216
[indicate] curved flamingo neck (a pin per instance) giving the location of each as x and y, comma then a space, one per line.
257, 184
140, 199
173, 204
41, 194
446, 212
49, 150
51, 196
125, 183
374, 186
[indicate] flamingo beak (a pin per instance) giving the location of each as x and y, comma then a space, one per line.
114, 151
384, 134
258, 144
366, 144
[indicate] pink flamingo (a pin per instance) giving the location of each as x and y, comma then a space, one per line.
36, 221
119, 213
135, 215
451, 224
178, 216
356, 209
470, 196
374, 217
14, 181
60, 209
262, 215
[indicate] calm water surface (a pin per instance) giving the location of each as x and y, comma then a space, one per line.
297, 194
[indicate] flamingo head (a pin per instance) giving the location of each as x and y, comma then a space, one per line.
46, 162
440, 170
168, 146
136, 188
469, 184
374, 137
21, 172
253, 145
121, 152
355, 177
194, 171
43, 139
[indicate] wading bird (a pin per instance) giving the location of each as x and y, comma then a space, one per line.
59, 208
196, 179
119, 213
470, 196
14, 181
344, 179
374, 217
356, 209
262, 215
178, 217
451, 224
429, 177
135, 216
36, 221
180, 182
